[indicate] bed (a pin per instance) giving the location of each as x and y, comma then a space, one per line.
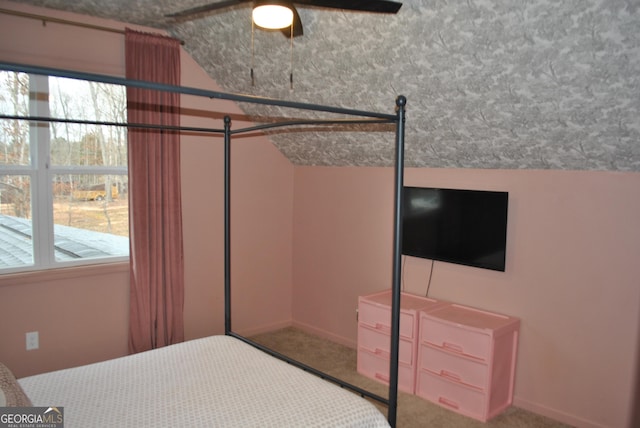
213, 381
225, 380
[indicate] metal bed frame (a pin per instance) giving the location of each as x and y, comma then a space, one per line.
364, 117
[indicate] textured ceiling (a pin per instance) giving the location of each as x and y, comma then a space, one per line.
541, 84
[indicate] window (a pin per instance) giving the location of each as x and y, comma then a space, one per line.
63, 185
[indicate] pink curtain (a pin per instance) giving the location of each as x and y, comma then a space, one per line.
157, 272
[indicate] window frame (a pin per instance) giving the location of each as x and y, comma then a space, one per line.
41, 173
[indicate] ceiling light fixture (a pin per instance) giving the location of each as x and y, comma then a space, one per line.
272, 15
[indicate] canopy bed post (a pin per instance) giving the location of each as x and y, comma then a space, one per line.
359, 117
401, 101
227, 224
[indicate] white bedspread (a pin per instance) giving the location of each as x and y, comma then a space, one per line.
217, 381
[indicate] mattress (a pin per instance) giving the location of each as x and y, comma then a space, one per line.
217, 381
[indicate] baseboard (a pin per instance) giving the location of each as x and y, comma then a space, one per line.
324, 334
265, 328
556, 415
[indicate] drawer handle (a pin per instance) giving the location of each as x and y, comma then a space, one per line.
382, 377
457, 349
451, 376
378, 351
382, 327
382, 352
453, 348
448, 403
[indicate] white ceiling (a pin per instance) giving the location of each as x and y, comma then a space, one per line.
540, 84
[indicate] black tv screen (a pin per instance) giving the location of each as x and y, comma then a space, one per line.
467, 227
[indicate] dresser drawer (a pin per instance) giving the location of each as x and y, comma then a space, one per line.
377, 367
455, 339
451, 395
378, 317
379, 343
453, 367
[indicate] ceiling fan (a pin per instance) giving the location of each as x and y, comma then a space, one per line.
376, 6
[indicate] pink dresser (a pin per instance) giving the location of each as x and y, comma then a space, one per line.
466, 360
374, 336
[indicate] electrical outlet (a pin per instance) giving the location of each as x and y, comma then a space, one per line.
33, 340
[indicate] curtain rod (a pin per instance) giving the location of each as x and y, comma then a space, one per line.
46, 19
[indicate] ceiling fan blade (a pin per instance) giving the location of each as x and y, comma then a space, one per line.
377, 6
205, 8
297, 25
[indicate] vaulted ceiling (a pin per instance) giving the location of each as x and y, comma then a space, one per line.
539, 84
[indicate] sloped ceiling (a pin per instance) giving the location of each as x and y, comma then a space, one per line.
540, 84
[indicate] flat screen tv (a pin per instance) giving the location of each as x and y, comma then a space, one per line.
467, 227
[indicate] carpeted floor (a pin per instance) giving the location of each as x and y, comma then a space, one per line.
413, 412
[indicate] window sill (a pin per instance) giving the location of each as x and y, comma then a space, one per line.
62, 273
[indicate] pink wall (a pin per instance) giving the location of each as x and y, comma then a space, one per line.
82, 313
571, 274
81, 316
342, 245
261, 194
